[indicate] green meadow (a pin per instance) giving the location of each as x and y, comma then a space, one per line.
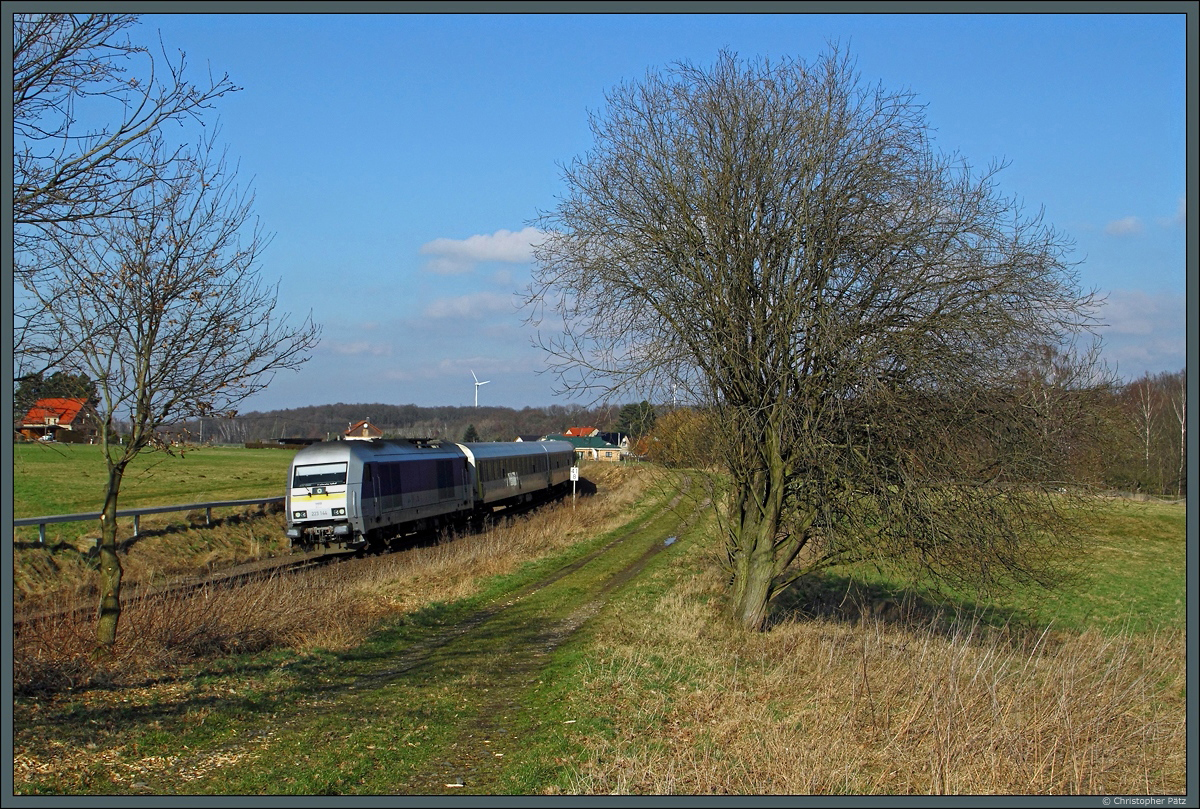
516, 661
71, 478
1133, 576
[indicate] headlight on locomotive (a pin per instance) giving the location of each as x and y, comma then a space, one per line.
339, 512
299, 515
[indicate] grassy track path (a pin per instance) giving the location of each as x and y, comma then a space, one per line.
432, 709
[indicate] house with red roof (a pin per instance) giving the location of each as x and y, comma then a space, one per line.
56, 419
581, 432
363, 431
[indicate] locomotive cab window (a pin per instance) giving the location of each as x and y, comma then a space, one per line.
319, 474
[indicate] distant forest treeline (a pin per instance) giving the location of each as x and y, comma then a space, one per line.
1140, 427
327, 422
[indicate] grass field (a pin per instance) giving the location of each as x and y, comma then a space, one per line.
1133, 577
1079, 691
71, 478
1135, 574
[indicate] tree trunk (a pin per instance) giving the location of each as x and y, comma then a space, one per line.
110, 563
755, 526
752, 587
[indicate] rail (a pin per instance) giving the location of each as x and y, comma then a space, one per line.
136, 513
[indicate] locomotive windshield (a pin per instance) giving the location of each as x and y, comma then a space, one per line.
319, 474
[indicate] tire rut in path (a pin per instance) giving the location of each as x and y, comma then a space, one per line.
473, 761
418, 653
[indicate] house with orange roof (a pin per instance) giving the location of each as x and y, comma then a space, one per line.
363, 431
56, 419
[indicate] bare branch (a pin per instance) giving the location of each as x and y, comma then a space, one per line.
166, 310
89, 110
853, 310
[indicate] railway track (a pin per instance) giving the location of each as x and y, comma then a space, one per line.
237, 575
226, 577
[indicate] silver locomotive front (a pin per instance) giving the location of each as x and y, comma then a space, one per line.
320, 500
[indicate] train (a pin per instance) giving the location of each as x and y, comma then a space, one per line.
365, 494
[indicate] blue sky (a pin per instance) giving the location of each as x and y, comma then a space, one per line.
399, 158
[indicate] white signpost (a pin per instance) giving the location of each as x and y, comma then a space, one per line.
574, 477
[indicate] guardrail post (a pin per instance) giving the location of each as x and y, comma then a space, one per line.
41, 533
208, 516
137, 523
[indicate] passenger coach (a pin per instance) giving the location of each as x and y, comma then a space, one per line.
517, 471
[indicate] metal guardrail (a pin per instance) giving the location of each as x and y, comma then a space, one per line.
136, 513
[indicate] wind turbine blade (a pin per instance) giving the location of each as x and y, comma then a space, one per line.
474, 377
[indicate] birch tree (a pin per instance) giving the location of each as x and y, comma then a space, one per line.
1179, 406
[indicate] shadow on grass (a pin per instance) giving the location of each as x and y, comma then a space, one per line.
64, 549
77, 720
843, 598
249, 691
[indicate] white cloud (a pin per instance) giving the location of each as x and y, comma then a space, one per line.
1131, 311
1128, 226
1144, 332
483, 367
1179, 218
458, 256
470, 306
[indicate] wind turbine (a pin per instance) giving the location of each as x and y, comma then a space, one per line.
477, 384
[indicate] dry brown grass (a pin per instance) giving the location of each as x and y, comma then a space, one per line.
329, 608
170, 545
832, 706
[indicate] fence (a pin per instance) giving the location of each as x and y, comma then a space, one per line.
136, 513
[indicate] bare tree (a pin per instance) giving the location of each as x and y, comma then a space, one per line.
781, 245
1179, 406
1070, 399
170, 318
1148, 401
89, 109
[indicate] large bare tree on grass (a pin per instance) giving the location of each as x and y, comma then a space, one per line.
854, 311
89, 110
172, 321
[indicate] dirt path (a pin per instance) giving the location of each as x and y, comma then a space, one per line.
534, 621
424, 710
